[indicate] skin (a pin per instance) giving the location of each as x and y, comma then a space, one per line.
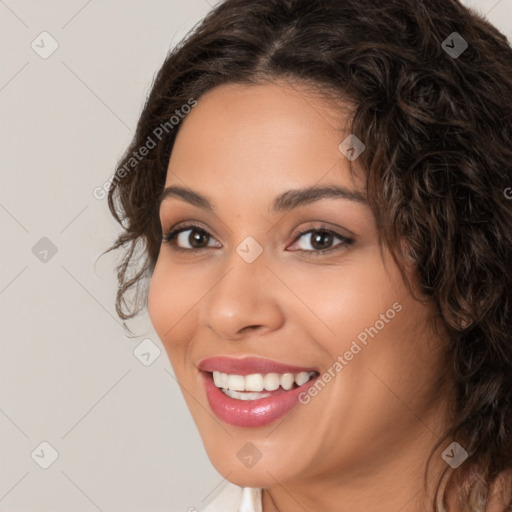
362, 443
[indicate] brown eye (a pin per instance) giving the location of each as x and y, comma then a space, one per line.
196, 238
321, 240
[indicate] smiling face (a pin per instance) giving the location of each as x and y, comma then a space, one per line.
326, 301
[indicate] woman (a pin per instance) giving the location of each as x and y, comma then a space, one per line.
320, 190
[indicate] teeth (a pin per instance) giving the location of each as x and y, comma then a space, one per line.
236, 382
254, 382
271, 381
302, 378
287, 381
257, 382
218, 380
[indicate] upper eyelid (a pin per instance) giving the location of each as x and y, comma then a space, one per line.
187, 227
344, 239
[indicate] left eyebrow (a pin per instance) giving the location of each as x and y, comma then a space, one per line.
283, 202
303, 196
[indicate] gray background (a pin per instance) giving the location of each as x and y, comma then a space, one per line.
69, 375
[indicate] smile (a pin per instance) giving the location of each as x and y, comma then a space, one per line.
253, 392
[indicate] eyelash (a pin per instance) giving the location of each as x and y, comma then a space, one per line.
170, 236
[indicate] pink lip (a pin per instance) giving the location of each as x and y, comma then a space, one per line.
250, 413
248, 365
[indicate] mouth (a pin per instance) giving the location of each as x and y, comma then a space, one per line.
253, 392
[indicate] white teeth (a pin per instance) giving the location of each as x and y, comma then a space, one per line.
287, 381
236, 382
301, 378
271, 381
254, 382
257, 382
218, 380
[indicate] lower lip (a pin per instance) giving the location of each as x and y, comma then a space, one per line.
251, 413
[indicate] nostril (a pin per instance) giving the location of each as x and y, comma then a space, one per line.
251, 327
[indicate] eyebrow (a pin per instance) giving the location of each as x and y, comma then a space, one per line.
283, 202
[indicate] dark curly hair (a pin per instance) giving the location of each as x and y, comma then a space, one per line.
438, 161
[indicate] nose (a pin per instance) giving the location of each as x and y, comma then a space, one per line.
243, 301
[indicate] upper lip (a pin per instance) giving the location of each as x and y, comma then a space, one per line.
248, 365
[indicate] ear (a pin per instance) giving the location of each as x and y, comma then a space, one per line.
408, 256
406, 250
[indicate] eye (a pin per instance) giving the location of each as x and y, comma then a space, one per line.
321, 240
196, 238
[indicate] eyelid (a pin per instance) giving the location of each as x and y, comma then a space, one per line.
322, 226
345, 240
169, 236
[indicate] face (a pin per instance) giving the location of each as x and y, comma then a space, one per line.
270, 283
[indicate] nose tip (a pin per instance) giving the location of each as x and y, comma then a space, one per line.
242, 302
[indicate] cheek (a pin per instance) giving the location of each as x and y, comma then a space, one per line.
348, 298
156, 301
171, 299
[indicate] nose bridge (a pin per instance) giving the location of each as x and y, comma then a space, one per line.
240, 298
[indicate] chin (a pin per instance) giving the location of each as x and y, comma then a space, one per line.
248, 478
263, 473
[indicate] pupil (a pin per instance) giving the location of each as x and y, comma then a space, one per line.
197, 237
317, 240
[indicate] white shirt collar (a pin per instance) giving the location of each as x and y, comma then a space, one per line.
251, 500
233, 498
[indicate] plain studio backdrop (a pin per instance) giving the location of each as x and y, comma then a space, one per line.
89, 418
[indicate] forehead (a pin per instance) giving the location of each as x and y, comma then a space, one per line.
270, 130
271, 109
